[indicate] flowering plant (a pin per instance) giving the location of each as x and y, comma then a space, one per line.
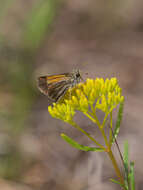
106, 96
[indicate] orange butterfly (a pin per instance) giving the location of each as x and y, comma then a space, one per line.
55, 86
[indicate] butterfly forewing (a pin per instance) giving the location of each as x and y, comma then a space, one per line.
55, 86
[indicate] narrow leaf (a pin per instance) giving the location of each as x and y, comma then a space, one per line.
117, 182
79, 146
118, 122
131, 176
126, 156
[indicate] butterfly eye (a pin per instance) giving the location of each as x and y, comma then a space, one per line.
77, 75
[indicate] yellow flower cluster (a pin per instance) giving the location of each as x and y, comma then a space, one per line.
98, 94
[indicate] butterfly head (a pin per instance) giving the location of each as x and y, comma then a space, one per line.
76, 75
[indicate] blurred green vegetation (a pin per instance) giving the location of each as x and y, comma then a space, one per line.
4, 6
16, 70
38, 23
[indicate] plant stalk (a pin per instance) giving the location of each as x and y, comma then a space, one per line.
87, 134
115, 165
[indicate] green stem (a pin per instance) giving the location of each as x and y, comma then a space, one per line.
112, 158
95, 119
111, 126
87, 134
90, 117
104, 135
106, 115
108, 150
93, 109
115, 165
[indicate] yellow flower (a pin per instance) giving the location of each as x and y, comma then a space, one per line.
98, 94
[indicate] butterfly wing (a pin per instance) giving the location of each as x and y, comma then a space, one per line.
54, 86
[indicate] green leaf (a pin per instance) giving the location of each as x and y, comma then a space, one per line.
38, 23
131, 176
79, 146
117, 182
126, 156
118, 122
126, 163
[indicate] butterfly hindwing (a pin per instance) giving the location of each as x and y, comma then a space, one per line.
53, 86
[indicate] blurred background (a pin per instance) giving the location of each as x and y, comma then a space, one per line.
38, 37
